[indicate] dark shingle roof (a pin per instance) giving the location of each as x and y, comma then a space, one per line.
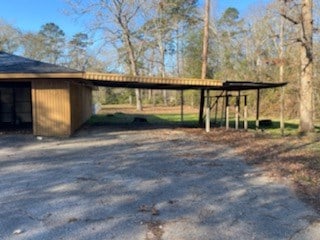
10, 63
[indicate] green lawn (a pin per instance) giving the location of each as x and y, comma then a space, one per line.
152, 119
291, 127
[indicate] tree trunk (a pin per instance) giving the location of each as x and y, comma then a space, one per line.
132, 58
306, 85
162, 63
204, 57
281, 75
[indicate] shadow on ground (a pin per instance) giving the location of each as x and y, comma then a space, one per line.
146, 184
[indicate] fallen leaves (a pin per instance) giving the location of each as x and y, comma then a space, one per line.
155, 230
292, 158
153, 210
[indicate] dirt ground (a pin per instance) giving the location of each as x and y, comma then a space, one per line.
294, 159
142, 183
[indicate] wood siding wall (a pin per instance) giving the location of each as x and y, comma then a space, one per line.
81, 102
51, 107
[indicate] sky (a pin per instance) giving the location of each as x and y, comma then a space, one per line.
30, 15
242, 5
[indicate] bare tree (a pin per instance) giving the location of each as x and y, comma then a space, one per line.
306, 91
46, 45
9, 37
33, 46
118, 20
305, 20
164, 20
281, 73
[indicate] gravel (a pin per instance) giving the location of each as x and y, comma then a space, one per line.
147, 184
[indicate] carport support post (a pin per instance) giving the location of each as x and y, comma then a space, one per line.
182, 102
282, 111
258, 109
245, 114
227, 111
207, 110
237, 112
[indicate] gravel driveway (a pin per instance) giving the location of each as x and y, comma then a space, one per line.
141, 184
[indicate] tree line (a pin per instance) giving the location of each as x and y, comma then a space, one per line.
50, 44
164, 38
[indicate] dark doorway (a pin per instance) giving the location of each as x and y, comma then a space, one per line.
15, 105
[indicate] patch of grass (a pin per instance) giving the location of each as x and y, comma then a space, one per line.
174, 118
191, 119
291, 127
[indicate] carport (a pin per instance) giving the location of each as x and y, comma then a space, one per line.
225, 87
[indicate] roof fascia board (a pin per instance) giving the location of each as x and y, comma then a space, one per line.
40, 75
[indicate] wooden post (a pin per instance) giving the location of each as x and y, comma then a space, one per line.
208, 111
282, 111
237, 113
227, 111
258, 109
245, 114
182, 103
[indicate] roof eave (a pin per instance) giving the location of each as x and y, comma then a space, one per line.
77, 75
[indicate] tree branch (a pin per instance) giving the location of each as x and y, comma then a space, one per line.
289, 19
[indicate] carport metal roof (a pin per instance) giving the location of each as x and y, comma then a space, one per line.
118, 80
126, 81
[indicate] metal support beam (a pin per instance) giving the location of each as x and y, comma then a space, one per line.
201, 107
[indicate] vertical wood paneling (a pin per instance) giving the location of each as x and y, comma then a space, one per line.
51, 107
81, 100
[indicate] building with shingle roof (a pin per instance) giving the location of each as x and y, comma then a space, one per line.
51, 99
